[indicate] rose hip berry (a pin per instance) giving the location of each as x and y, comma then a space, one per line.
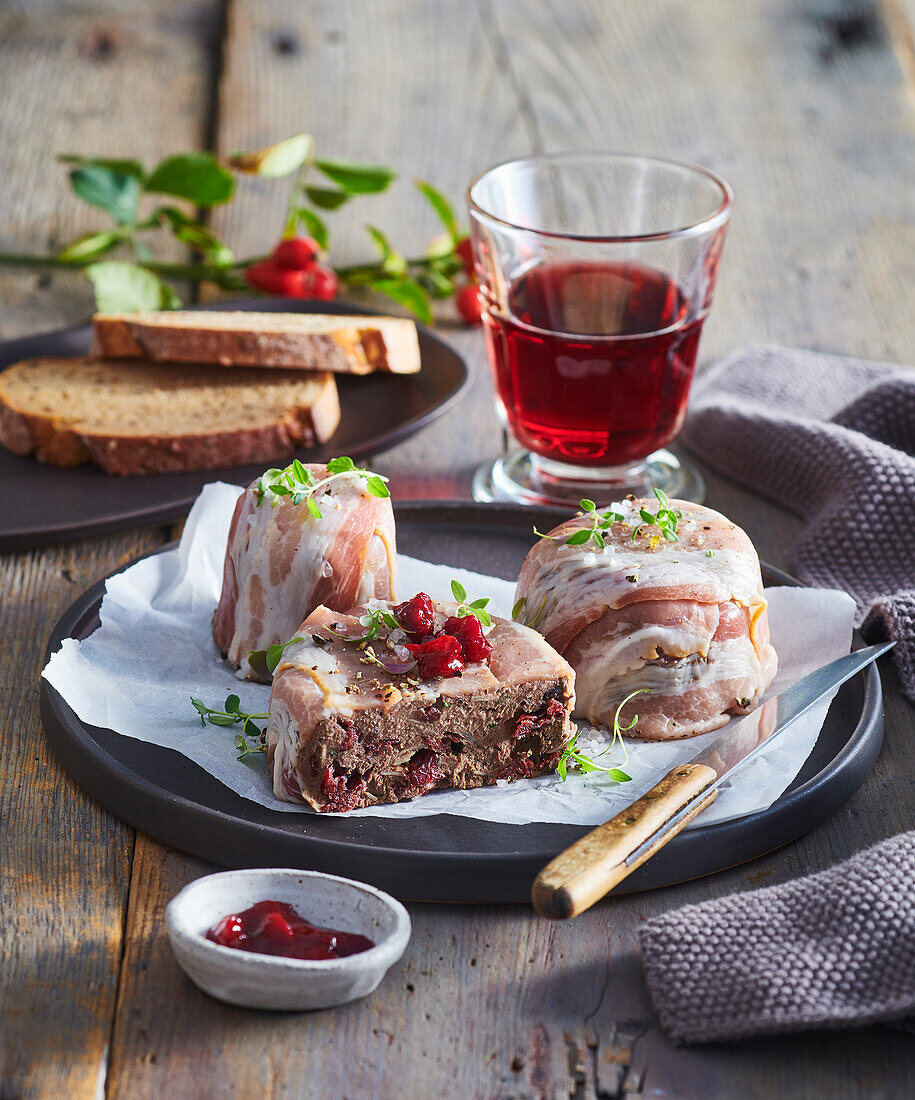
416, 616
295, 253
464, 250
469, 633
439, 657
320, 282
469, 305
268, 277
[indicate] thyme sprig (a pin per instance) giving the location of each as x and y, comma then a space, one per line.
299, 484
476, 608
572, 757
232, 715
264, 661
518, 612
665, 519
371, 622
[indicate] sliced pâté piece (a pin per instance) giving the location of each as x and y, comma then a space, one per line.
346, 732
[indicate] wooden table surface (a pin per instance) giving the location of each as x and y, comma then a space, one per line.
806, 107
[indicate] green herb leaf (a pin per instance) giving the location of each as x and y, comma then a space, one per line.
377, 487
587, 505
313, 508
408, 293
458, 591
275, 653
442, 208
342, 465
355, 178
517, 609
197, 177
578, 538
126, 166
232, 704
280, 159
618, 775
92, 244
117, 193
127, 288
327, 198
315, 227
197, 235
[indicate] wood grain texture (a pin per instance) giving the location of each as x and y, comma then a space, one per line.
114, 77
416, 84
122, 79
64, 862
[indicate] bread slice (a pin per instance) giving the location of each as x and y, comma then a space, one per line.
294, 341
137, 418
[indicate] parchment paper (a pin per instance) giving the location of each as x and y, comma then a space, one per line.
153, 651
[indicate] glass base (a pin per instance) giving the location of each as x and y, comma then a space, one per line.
522, 477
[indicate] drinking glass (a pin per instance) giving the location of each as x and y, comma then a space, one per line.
596, 272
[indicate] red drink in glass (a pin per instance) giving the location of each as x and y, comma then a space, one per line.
597, 272
593, 362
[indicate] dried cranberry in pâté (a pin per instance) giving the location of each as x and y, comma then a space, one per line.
358, 721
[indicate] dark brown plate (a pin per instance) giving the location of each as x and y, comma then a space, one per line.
441, 858
44, 504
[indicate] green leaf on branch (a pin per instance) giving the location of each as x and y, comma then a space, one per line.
197, 235
354, 178
280, 159
407, 292
315, 227
326, 198
91, 245
117, 193
125, 166
197, 177
442, 208
128, 288
392, 261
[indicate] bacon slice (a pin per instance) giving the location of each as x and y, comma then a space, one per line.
345, 733
685, 620
282, 562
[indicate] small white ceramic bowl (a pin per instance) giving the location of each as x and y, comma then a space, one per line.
267, 981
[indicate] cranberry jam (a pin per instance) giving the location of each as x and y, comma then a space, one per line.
275, 928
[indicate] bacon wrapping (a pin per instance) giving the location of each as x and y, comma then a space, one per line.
347, 729
684, 620
282, 562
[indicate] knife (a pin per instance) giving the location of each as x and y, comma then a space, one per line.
592, 866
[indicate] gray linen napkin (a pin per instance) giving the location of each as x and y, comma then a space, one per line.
833, 440
834, 949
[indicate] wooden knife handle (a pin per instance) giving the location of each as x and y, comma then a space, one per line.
582, 874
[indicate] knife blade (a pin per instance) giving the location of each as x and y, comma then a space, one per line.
590, 868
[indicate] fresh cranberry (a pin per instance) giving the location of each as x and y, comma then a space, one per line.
321, 282
469, 305
469, 632
464, 249
439, 656
416, 616
268, 277
295, 253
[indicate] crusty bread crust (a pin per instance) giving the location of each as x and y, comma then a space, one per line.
53, 438
357, 345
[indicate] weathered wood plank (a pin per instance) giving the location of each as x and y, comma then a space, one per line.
64, 862
110, 78
116, 78
413, 84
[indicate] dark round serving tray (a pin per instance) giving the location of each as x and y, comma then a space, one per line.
52, 503
441, 858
